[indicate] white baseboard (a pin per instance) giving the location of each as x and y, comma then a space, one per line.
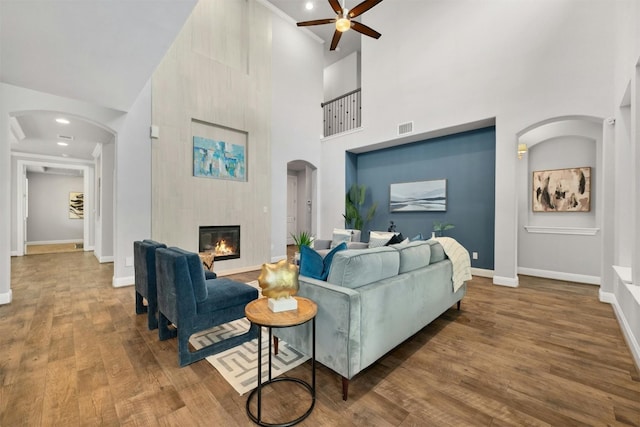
610, 298
559, 275
6, 297
481, 272
14, 253
89, 248
119, 282
512, 282
236, 270
105, 259
54, 242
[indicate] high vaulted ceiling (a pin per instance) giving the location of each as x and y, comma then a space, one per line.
103, 52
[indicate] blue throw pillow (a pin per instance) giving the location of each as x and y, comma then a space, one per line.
313, 265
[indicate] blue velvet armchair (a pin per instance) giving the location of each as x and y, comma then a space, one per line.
193, 304
144, 263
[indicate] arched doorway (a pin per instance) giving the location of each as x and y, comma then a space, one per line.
301, 198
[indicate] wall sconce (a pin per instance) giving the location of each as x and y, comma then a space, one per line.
522, 150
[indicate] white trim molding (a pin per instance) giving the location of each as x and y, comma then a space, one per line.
576, 231
512, 282
6, 297
610, 297
105, 259
238, 270
481, 272
120, 282
560, 275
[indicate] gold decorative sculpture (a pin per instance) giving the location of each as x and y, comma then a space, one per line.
279, 282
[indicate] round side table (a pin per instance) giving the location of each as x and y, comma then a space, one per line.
259, 314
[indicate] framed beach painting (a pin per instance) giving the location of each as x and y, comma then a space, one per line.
562, 190
419, 196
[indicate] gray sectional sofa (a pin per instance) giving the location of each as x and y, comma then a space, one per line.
373, 300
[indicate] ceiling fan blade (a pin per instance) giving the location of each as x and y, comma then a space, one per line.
335, 5
362, 7
336, 38
316, 22
363, 29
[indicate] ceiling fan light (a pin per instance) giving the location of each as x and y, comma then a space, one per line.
343, 24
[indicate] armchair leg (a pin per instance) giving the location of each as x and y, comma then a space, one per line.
140, 307
276, 341
345, 388
164, 333
152, 317
186, 357
459, 305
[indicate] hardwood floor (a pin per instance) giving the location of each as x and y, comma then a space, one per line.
74, 353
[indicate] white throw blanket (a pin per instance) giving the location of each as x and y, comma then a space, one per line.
459, 257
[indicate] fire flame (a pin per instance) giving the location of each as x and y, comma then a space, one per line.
222, 248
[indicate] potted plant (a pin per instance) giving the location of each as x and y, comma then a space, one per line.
300, 239
439, 227
353, 202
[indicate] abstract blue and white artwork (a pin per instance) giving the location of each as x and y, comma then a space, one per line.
418, 196
219, 159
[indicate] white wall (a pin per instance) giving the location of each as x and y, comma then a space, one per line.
342, 76
132, 197
130, 128
49, 208
450, 63
622, 160
296, 126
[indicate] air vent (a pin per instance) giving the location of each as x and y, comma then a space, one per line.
65, 137
404, 128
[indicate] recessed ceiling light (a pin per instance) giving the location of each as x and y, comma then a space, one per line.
64, 144
65, 155
62, 120
309, 5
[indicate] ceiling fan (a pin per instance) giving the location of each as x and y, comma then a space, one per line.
344, 22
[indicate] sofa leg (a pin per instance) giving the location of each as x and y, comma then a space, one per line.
345, 388
459, 305
276, 341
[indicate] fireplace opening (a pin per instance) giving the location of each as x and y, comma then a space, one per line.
222, 240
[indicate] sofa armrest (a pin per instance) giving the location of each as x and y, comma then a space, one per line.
337, 326
321, 244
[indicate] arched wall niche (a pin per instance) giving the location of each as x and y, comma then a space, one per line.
560, 245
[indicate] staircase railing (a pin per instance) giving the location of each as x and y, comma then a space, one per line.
342, 113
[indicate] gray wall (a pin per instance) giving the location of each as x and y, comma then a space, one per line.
209, 77
48, 219
561, 245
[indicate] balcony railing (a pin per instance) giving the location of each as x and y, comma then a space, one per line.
342, 113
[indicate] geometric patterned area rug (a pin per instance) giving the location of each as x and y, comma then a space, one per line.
239, 365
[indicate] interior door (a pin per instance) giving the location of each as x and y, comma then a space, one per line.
292, 207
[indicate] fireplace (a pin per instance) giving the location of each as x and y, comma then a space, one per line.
222, 240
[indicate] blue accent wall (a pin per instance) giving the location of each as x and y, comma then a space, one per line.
466, 160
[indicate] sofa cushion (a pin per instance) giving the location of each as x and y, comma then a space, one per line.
339, 236
313, 265
437, 251
357, 267
414, 255
379, 238
395, 239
